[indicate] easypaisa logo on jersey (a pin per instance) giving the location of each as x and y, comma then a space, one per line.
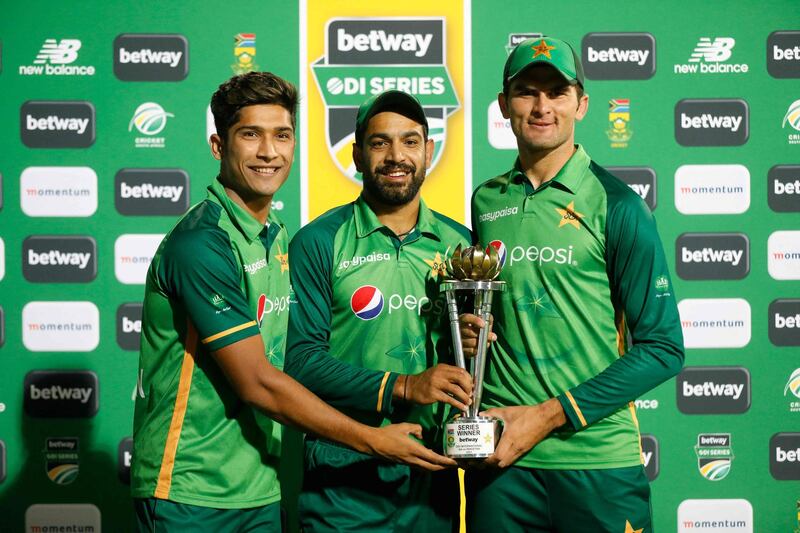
710, 390
712, 122
364, 57
151, 57
710, 56
704, 256
642, 180
61, 394
57, 124
367, 303
358, 260
783, 54
56, 57
618, 56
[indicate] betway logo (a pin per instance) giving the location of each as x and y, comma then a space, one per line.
709, 255
56, 123
616, 55
148, 190
711, 389
784, 461
382, 41
709, 121
57, 257
784, 323
56, 392
148, 56
784, 188
542, 255
783, 54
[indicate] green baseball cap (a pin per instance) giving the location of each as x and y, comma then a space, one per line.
396, 101
545, 50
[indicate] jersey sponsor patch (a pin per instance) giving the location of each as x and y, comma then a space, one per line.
367, 302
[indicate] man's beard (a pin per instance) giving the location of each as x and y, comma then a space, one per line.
392, 193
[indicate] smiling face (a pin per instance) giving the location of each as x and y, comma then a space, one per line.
542, 108
393, 158
256, 156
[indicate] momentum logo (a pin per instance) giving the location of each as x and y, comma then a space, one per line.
712, 189
712, 255
783, 54
708, 390
46, 518
784, 322
60, 326
59, 259
151, 191
61, 394
133, 254
151, 57
715, 323
618, 56
712, 122
58, 191
641, 179
783, 255
499, 132
784, 457
730, 516
57, 124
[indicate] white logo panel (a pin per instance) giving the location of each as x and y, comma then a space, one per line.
500, 134
62, 517
783, 255
715, 323
58, 191
719, 516
712, 189
133, 254
2, 259
60, 326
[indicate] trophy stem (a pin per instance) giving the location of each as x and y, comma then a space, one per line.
452, 309
483, 304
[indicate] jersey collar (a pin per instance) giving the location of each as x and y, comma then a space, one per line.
367, 222
244, 221
569, 178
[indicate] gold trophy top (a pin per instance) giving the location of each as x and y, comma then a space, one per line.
474, 263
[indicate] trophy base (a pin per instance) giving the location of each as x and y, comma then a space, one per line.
471, 437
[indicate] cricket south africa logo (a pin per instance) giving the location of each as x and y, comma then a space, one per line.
366, 56
619, 117
367, 302
714, 455
244, 50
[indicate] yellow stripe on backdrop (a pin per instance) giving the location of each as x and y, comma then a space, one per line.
417, 47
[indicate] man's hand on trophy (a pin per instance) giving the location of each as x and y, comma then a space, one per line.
524, 427
393, 443
470, 326
440, 383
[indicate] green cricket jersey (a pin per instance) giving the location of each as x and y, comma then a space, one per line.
583, 261
367, 299
218, 277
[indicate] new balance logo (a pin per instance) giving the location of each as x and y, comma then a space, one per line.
713, 51
58, 53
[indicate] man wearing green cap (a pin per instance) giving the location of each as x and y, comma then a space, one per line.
368, 327
585, 267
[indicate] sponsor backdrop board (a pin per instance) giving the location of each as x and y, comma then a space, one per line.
105, 117
713, 150
82, 209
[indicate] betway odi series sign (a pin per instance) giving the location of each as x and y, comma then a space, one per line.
353, 58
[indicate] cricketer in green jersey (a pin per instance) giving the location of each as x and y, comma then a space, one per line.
211, 393
584, 265
365, 278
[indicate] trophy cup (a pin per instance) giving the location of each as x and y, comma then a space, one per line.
472, 271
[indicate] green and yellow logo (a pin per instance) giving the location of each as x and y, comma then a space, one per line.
619, 122
714, 455
61, 460
569, 216
244, 50
662, 284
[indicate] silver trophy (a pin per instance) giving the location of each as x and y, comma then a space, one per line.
472, 270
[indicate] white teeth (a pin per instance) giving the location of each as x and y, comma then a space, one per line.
264, 170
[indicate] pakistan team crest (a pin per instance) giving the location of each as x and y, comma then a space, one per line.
366, 56
714, 455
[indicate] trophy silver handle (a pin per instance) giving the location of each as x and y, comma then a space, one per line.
483, 304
